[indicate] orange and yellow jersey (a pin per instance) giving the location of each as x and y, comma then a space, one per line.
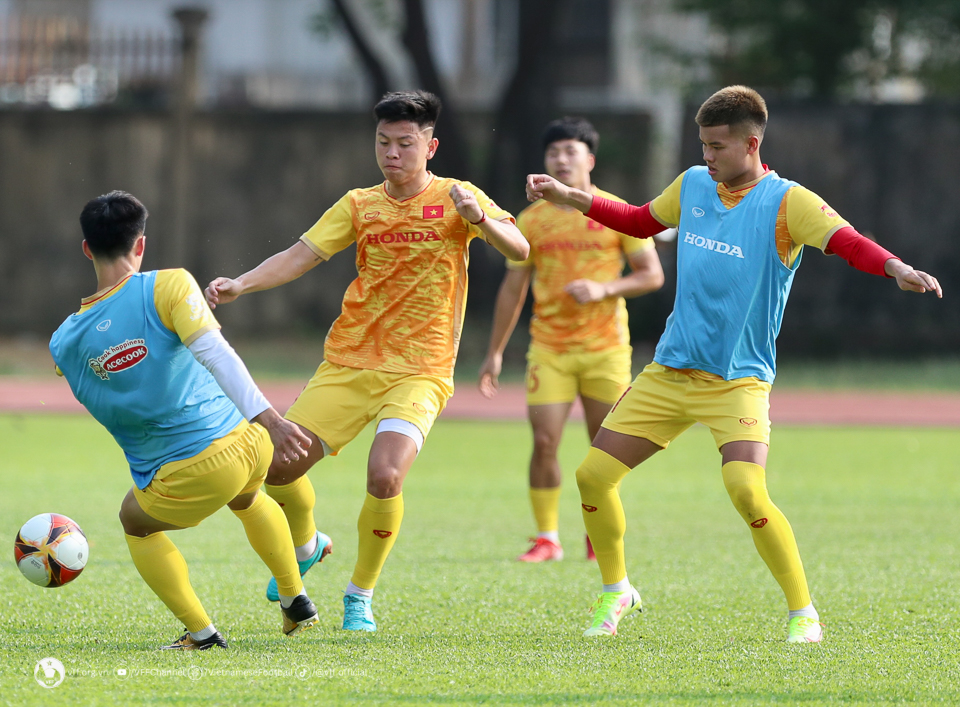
404, 311
803, 219
567, 246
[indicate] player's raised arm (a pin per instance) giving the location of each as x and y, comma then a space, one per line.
870, 257
502, 235
276, 270
543, 186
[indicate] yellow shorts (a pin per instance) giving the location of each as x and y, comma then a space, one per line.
339, 402
185, 492
559, 378
663, 402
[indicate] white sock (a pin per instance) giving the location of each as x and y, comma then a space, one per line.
204, 633
551, 535
622, 586
807, 611
354, 589
286, 601
305, 552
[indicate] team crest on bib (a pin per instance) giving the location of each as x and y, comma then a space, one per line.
119, 358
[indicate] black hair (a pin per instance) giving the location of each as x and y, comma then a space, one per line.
568, 128
420, 107
740, 107
112, 222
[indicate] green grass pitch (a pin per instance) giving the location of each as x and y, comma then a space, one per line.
461, 623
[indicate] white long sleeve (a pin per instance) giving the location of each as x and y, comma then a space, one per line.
218, 357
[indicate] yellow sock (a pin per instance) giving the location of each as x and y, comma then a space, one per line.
269, 536
546, 508
772, 534
164, 570
599, 478
378, 525
296, 500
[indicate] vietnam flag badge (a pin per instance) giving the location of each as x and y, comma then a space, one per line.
433, 211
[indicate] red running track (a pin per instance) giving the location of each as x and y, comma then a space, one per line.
790, 407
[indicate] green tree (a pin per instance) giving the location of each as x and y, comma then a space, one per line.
826, 48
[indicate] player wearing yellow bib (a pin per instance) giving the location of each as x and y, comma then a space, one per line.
145, 356
580, 342
741, 231
389, 356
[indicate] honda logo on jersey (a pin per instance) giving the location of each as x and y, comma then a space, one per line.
715, 246
402, 237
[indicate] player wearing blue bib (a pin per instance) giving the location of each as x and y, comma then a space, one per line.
741, 230
145, 356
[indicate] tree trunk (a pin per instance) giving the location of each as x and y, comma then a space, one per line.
371, 63
451, 158
529, 103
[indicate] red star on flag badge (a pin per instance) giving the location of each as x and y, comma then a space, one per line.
433, 211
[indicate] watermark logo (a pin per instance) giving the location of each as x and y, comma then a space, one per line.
49, 672
196, 673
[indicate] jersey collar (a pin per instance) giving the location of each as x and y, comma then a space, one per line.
748, 185
87, 302
413, 196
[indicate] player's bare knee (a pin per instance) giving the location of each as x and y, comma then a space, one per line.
126, 516
243, 501
545, 444
281, 473
384, 481
130, 524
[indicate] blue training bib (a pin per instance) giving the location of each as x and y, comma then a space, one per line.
139, 381
732, 286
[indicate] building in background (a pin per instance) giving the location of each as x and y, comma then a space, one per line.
293, 54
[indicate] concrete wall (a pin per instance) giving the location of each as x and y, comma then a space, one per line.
262, 179
259, 181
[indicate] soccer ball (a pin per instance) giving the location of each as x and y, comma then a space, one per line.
51, 550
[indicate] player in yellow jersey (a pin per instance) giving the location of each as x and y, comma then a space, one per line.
580, 343
389, 356
741, 231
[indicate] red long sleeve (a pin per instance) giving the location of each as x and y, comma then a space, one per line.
859, 251
636, 221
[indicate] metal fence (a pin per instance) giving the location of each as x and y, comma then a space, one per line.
65, 63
